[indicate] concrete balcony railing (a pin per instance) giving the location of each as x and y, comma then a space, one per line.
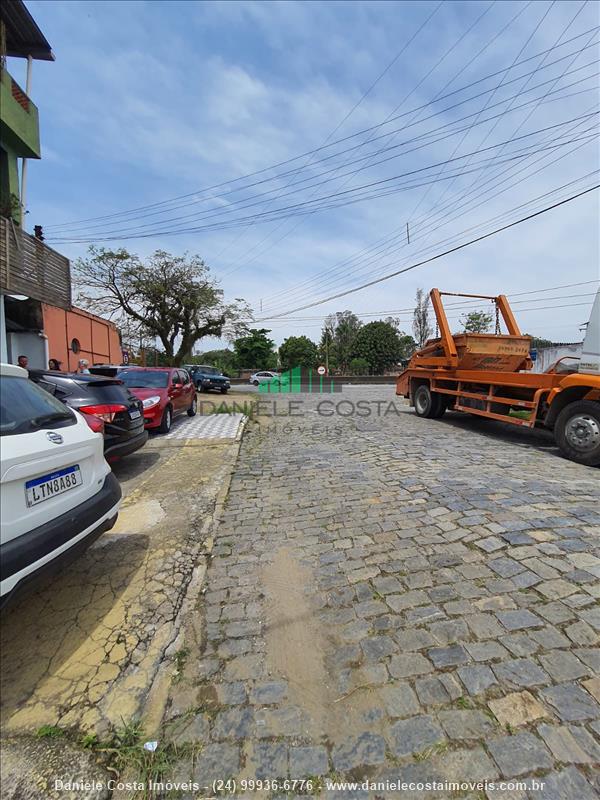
28, 267
19, 119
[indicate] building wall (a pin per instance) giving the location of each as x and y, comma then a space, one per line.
30, 344
98, 339
546, 356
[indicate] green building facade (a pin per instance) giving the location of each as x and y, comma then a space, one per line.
20, 37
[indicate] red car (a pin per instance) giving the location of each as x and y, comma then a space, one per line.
165, 393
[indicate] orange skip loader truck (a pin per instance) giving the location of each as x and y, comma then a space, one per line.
489, 375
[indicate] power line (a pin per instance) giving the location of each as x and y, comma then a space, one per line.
464, 304
310, 206
412, 91
452, 203
385, 245
123, 213
452, 318
443, 254
243, 203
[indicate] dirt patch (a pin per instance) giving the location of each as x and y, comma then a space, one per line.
297, 649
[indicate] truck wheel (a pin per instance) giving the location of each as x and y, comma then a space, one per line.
427, 403
577, 432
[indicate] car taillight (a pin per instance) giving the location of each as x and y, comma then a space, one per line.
106, 411
95, 423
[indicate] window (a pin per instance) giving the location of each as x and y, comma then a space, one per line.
185, 378
144, 379
24, 407
75, 346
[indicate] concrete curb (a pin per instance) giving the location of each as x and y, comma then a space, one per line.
154, 707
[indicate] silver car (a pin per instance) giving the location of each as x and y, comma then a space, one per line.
262, 377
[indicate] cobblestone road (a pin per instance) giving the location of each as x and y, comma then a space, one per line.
402, 599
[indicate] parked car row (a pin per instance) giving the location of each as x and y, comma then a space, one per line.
58, 430
107, 405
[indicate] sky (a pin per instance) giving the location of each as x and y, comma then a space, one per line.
149, 101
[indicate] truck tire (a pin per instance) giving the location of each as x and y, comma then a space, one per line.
428, 404
577, 432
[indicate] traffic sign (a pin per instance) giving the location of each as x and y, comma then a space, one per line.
321, 370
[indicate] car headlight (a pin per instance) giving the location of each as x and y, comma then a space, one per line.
149, 402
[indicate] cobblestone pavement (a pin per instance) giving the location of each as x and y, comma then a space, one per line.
402, 599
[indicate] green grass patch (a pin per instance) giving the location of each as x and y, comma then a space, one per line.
50, 732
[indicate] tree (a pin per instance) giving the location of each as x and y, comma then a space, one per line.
298, 351
337, 338
359, 366
407, 343
379, 345
172, 298
225, 360
256, 350
421, 327
537, 343
476, 321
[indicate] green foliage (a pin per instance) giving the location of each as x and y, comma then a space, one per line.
49, 732
477, 322
537, 342
170, 297
337, 339
359, 366
89, 741
256, 350
225, 360
379, 345
407, 345
298, 351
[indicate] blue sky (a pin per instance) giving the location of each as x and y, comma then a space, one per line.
151, 100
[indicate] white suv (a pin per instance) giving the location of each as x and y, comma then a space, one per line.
57, 492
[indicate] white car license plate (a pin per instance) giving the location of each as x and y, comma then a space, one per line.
135, 414
47, 486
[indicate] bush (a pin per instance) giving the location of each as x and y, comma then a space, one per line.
359, 366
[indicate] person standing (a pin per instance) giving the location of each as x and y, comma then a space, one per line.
23, 361
54, 365
83, 366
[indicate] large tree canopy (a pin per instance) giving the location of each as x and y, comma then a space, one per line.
169, 297
379, 345
256, 350
298, 351
337, 338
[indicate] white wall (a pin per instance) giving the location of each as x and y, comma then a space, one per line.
3, 339
28, 344
548, 355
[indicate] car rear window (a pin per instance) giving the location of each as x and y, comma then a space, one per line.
25, 407
107, 391
144, 379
